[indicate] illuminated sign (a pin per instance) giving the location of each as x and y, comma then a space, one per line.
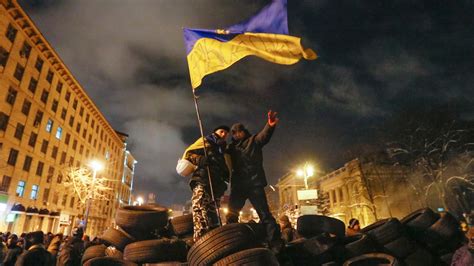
10, 218
307, 194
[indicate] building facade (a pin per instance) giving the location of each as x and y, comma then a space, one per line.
47, 125
365, 190
288, 186
128, 175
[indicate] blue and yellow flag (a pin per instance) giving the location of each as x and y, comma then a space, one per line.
264, 35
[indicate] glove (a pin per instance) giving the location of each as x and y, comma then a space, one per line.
272, 118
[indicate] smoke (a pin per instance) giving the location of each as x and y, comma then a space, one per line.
130, 58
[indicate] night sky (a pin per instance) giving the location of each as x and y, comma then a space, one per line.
377, 59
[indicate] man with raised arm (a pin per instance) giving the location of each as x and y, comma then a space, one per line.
248, 176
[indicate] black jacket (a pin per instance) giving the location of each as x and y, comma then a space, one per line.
247, 158
219, 171
35, 256
71, 253
12, 254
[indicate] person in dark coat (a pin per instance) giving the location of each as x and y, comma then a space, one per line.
248, 176
203, 207
13, 251
288, 233
36, 254
73, 249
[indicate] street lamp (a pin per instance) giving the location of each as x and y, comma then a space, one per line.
140, 201
306, 172
95, 166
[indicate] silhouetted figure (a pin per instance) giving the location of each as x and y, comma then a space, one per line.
35, 253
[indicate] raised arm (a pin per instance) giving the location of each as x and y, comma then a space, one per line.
263, 137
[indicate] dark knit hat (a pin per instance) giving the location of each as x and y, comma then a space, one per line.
237, 127
36, 237
353, 222
224, 127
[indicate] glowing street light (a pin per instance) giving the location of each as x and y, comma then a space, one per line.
96, 166
226, 210
140, 200
305, 172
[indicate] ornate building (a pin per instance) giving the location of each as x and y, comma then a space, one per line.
365, 190
47, 124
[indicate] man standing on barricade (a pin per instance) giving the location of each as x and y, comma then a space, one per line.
248, 176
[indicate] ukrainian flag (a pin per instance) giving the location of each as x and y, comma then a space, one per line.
264, 35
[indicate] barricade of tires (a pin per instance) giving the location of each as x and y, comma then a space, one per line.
421, 238
232, 244
145, 236
136, 239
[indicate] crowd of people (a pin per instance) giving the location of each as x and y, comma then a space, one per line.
38, 248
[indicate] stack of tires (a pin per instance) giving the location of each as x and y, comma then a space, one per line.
421, 238
390, 237
181, 227
232, 244
135, 239
439, 234
319, 243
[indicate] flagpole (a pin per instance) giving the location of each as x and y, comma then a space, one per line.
195, 97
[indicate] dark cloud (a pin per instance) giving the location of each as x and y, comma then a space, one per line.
376, 58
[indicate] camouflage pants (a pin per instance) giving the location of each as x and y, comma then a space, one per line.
204, 211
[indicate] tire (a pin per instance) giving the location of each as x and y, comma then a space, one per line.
93, 252
250, 257
259, 230
401, 247
420, 220
384, 231
445, 235
167, 263
313, 251
117, 238
108, 261
142, 221
158, 250
313, 225
358, 245
372, 259
182, 225
221, 242
189, 240
421, 256
113, 252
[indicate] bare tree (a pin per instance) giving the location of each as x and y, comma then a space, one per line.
438, 158
79, 180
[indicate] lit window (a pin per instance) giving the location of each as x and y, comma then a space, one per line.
34, 192
49, 126
59, 132
20, 189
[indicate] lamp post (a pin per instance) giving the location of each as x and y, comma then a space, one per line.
140, 201
305, 172
96, 166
